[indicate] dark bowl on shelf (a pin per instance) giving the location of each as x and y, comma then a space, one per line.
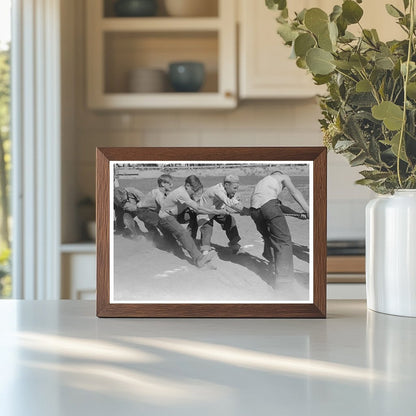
135, 8
186, 76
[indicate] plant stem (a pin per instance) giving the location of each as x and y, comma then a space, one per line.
373, 88
346, 75
392, 91
406, 79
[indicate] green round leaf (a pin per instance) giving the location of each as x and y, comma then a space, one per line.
395, 143
363, 86
336, 12
281, 4
301, 63
347, 37
319, 61
301, 15
316, 20
322, 79
327, 39
351, 11
287, 33
411, 90
333, 32
325, 42
403, 66
384, 62
368, 37
375, 35
393, 11
358, 160
344, 65
303, 43
276, 4
358, 61
342, 25
391, 114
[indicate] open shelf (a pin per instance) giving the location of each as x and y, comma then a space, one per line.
210, 9
116, 46
167, 100
80, 247
127, 51
160, 24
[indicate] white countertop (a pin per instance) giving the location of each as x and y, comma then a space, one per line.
57, 358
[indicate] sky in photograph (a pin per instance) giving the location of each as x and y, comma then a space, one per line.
4, 22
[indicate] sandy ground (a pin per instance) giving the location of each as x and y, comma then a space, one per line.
146, 273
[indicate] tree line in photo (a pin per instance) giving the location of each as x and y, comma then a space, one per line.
173, 217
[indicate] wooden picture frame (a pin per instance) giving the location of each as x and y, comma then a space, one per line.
224, 159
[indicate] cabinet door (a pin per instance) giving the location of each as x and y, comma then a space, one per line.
78, 276
265, 68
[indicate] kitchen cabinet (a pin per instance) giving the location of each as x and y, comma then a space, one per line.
78, 263
118, 45
265, 70
346, 275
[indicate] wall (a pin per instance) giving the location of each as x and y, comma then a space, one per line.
253, 123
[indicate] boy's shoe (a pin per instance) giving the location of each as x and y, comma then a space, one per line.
239, 251
204, 252
205, 258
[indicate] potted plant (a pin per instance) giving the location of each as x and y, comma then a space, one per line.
369, 116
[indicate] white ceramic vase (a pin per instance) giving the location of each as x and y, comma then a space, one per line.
391, 253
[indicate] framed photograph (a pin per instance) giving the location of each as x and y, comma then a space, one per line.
211, 232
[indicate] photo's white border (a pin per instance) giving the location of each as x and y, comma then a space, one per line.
275, 162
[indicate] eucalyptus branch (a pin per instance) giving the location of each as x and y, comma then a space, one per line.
369, 41
406, 79
404, 28
362, 59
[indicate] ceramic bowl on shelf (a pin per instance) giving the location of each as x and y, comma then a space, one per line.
135, 8
147, 81
191, 8
186, 76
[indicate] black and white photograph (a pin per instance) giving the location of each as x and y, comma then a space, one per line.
211, 232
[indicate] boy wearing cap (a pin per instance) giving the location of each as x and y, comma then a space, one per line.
221, 196
266, 211
174, 205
